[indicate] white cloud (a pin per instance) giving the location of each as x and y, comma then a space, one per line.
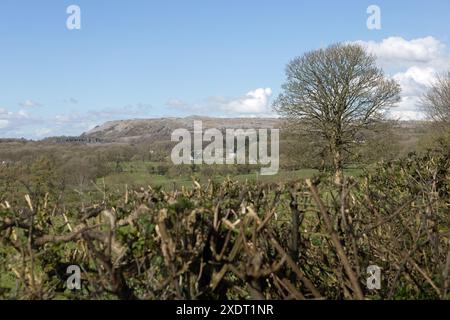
414, 82
43, 132
253, 104
23, 114
177, 104
12, 123
3, 123
397, 51
415, 79
414, 64
256, 101
407, 109
75, 123
30, 104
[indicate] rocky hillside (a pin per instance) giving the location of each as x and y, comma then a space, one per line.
161, 129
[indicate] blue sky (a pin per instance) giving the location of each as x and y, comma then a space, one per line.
142, 59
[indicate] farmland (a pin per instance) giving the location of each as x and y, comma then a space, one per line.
142, 228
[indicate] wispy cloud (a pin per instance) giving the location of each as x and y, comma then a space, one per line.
17, 123
71, 101
30, 104
74, 122
28, 123
178, 104
4, 123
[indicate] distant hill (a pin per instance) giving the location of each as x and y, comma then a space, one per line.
161, 129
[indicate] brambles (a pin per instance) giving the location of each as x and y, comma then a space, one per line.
239, 240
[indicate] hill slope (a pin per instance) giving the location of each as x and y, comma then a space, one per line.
161, 129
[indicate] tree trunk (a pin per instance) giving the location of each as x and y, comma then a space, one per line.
337, 164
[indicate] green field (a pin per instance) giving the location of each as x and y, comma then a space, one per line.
136, 174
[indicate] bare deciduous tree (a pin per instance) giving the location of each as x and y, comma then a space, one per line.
436, 102
334, 93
